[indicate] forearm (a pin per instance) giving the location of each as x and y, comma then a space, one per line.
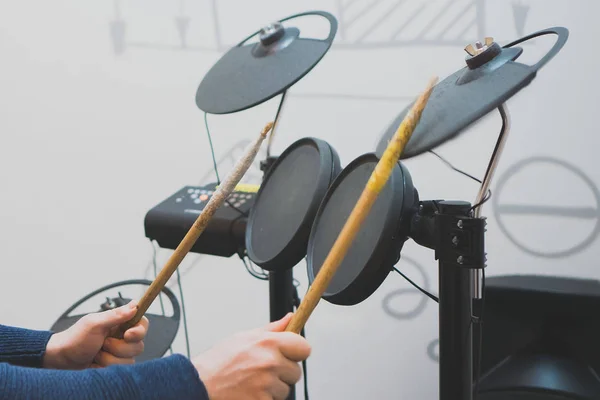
165, 378
23, 347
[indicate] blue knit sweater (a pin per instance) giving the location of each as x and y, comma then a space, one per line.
22, 375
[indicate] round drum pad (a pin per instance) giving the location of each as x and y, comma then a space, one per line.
287, 202
377, 246
161, 330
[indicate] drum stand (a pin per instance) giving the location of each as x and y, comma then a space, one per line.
456, 232
283, 296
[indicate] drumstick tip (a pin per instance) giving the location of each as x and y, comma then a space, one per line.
266, 129
432, 82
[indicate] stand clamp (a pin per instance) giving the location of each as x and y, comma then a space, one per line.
460, 238
452, 231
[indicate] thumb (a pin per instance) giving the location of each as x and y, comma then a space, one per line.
111, 318
279, 326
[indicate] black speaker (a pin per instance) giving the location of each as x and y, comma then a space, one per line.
540, 339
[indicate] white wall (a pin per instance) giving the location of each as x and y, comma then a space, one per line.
91, 140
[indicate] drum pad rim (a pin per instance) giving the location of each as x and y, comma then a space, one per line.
388, 248
293, 252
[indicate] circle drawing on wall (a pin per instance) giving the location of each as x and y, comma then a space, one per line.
433, 350
391, 303
543, 225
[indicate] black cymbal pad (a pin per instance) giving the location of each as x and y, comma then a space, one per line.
490, 78
250, 74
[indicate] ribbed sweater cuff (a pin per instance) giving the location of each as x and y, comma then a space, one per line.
23, 347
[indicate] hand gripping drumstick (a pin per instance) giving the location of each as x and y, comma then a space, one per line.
376, 183
216, 201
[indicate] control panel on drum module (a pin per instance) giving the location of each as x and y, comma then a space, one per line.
168, 222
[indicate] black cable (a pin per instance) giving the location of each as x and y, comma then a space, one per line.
162, 306
453, 167
251, 271
243, 255
303, 334
187, 338
212, 149
484, 200
489, 192
304, 368
279, 107
425, 292
214, 159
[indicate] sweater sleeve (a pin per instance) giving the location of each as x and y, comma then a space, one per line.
23, 347
172, 377
22, 376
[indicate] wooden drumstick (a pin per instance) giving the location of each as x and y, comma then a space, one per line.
376, 183
216, 201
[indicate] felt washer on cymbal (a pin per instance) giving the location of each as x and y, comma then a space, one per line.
287, 201
379, 242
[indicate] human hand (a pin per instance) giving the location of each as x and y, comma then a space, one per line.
260, 364
88, 343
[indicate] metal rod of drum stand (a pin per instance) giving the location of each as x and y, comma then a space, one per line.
477, 274
281, 283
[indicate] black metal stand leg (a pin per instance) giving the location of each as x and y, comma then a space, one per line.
457, 242
281, 300
456, 338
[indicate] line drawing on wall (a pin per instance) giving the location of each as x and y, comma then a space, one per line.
547, 212
470, 16
393, 295
362, 24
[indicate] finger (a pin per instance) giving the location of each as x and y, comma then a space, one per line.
138, 332
111, 318
293, 346
122, 349
289, 372
279, 326
105, 359
279, 390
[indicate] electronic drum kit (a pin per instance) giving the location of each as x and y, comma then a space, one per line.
306, 195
